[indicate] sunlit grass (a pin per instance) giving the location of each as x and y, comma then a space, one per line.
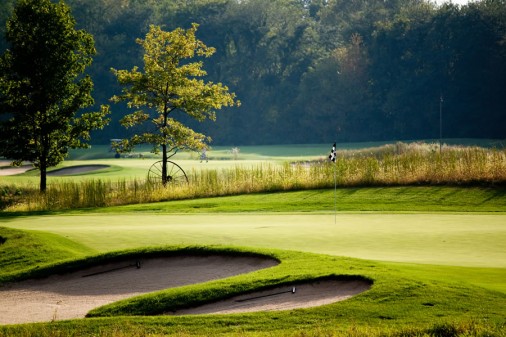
402, 301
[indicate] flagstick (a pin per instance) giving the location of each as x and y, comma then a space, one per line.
335, 189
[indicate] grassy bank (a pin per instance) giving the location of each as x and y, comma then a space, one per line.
352, 199
23, 252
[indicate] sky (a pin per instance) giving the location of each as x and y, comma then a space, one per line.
457, 2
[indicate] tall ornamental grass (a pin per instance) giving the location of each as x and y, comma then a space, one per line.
389, 165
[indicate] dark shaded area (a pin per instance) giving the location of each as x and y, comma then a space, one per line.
327, 71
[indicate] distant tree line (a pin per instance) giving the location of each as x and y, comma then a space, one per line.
312, 71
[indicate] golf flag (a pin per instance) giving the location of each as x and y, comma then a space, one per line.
332, 155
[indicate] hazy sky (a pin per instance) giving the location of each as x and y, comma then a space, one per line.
459, 2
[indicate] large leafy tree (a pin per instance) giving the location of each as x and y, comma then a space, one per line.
42, 86
170, 82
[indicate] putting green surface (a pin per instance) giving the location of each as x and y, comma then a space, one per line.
472, 240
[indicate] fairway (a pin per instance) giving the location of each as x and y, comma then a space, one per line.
472, 240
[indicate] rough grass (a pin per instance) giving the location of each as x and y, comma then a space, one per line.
387, 199
399, 165
136, 327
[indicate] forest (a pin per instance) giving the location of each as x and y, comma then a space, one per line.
319, 71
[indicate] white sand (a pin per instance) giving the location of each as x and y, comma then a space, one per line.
7, 170
285, 298
72, 296
75, 170
12, 170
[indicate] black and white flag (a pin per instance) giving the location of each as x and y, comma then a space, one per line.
332, 155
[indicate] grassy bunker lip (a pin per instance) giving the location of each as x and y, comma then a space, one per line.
176, 300
75, 265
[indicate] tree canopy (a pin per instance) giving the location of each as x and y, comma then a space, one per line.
42, 86
317, 70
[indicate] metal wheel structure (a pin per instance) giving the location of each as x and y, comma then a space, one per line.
175, 174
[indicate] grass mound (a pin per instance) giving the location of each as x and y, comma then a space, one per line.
22, 252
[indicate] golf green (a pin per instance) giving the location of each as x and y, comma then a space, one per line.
471, 240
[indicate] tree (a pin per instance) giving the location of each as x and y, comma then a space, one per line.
6, 8
42, 86
170, 83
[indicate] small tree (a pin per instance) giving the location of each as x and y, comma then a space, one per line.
170, 83
42, 86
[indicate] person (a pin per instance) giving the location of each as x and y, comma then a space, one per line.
203, 155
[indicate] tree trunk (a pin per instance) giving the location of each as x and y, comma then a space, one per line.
164, 146
164, 165
44, 141
43, 178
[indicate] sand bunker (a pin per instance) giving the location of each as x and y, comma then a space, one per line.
295, 296
71, 296
6, 170
12, 170
78, 169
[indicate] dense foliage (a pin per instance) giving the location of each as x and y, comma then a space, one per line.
319, 71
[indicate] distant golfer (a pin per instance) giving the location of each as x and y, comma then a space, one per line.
203, 155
